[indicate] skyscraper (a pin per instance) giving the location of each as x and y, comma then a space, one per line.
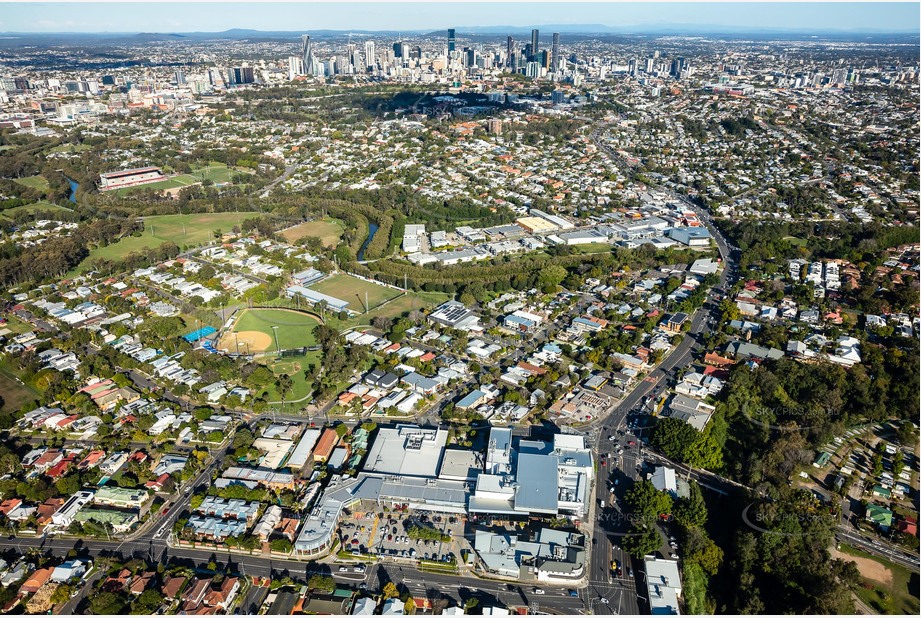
555, 53
308, 62
509, 51
535, 36
370, 58
295, 66
451, 40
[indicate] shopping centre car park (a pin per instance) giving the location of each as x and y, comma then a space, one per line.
386, 533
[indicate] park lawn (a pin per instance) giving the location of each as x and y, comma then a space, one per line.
294, 367
190, 230
218, 173
592, 247
16, 325
793, 240
35, 182
295, 330
328, 230
898, 598
71, 148
43, 206
353, 290
14, 392
395, 308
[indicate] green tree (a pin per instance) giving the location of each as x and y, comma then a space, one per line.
907, 434
390, 591
281, 545
700, 548
691, 511
148, 602
648, 502
877, 464
62, 594
898, 462
322, 583
108, 603
551, 277
642, 540
673, 438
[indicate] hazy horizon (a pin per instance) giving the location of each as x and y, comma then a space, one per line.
36, 18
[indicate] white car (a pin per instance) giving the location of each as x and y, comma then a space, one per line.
538, 591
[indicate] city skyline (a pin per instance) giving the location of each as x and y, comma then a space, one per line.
897, 17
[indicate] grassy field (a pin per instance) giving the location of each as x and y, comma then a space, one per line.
16, 325
216, 172
294, 330
898, 596
36, 182
295, 368
394, 309
592, 247
194, 229
37, 206
14, 392
328, 230
71, 148
353, 290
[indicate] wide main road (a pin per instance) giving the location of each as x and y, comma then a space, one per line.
624, 462
458, 588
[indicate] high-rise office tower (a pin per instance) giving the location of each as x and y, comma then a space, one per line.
180, 78
555, 53
509, 51
650, 64
535, 36
397, 49
370, 58
295, 66
242, 75
631, 66
451, 40
528, 52
416, 53
470, 54
309, 64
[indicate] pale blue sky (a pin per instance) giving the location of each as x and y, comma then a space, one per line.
215, 17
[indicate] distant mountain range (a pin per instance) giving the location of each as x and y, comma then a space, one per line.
12, 38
